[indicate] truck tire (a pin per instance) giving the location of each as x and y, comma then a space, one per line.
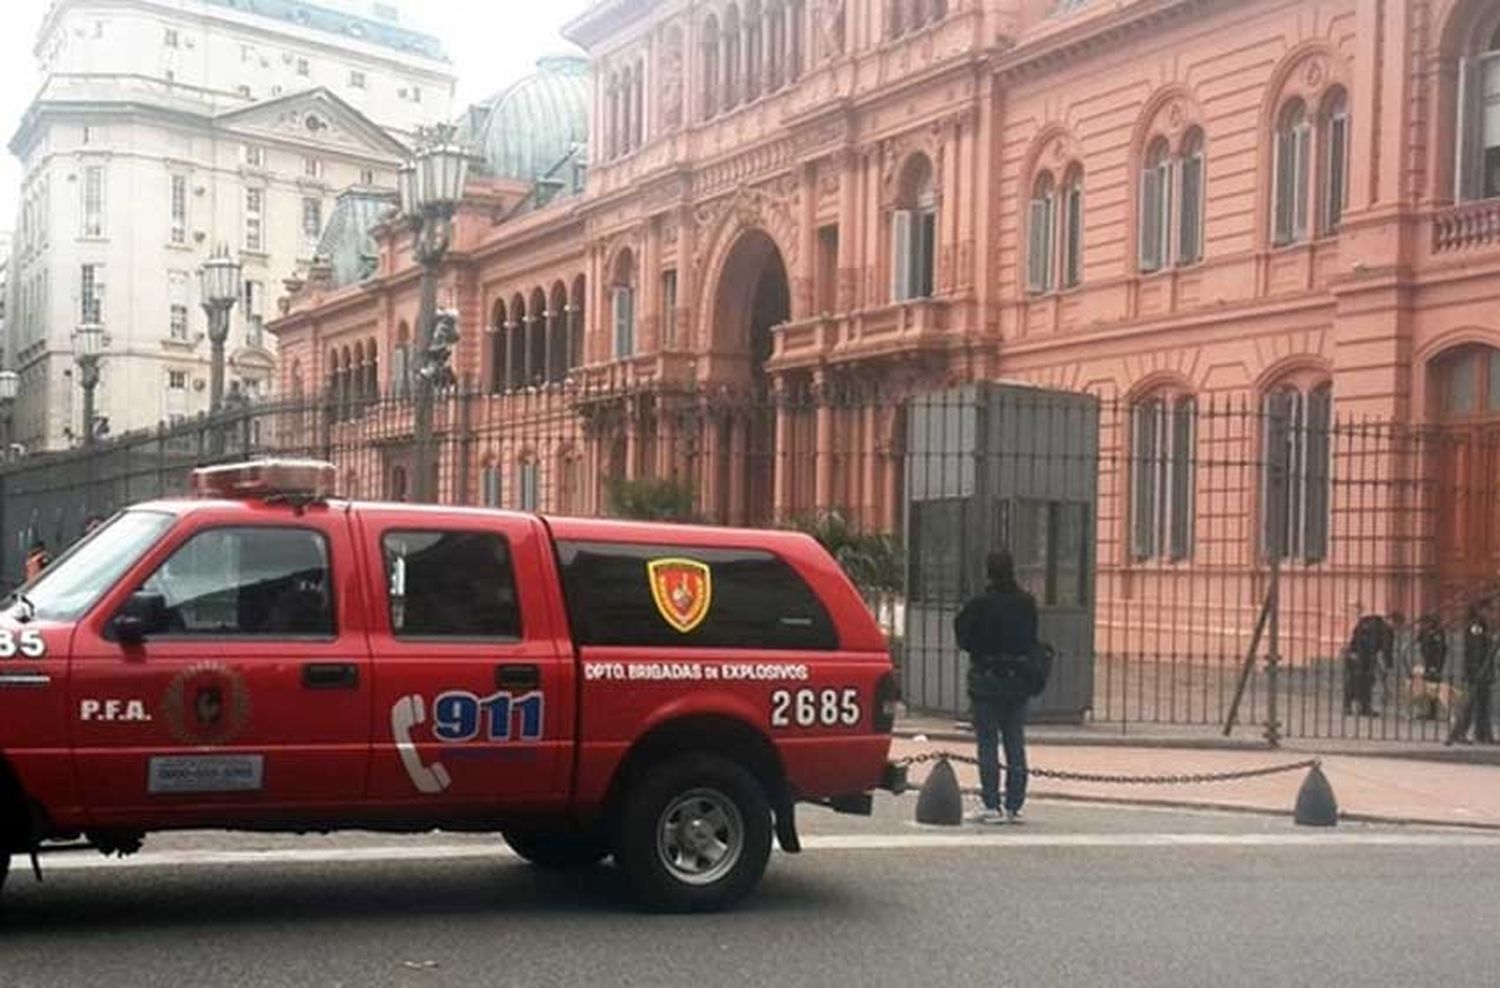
558, 852
4, 868
695, 834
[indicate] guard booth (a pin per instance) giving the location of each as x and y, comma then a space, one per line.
989, 465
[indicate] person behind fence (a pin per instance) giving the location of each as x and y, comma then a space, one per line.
1479, 679
998, 629
1432, 647
37, 559
1370, 647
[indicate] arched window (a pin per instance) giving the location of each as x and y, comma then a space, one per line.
1477, 143
1170, 220
357, 376
1333, 135
914, 233
1041, 221
536, 340
732, 57
1070, 234
516, 343
346, 383
333, 383
711, 63
1467, 382
576, 324
1293, 148
755, 53
1163, 435
498, 348
558, 315
1297, 470
622, 301
401, 362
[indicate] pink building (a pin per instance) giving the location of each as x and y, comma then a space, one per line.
1181, 205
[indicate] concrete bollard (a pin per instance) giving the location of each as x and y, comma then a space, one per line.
941, 802
1316, 804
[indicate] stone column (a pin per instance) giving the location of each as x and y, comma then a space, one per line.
870, 469
783, 466
528, 367
512, 333
549, 329
823, 445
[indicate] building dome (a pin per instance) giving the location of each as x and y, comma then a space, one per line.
525, 130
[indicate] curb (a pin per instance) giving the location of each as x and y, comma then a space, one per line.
1174, 804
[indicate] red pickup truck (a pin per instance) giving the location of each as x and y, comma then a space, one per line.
265, 657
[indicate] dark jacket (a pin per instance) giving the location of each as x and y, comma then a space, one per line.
1479, 651
997, 623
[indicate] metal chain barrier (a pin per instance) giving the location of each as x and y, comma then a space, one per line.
1179, 779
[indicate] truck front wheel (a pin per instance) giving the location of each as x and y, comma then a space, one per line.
558, 852
4, 868
695, 834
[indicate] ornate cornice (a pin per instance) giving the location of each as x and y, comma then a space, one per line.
1092, 35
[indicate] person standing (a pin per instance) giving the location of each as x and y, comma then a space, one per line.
37, 560
1479, 679
1370, 647
998, 629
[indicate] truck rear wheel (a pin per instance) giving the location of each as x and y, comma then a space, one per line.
695, 834
558, 852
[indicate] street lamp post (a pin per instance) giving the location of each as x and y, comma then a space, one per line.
220, 281
88, 347
10, 386
431, 186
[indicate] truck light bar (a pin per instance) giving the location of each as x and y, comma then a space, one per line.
311, 479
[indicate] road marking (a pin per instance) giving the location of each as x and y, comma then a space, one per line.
390, 854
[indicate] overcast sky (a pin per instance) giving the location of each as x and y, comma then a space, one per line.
490, 44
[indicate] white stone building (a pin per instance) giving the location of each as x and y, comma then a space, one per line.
163, 129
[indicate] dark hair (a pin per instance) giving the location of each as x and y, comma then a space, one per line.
1000, 567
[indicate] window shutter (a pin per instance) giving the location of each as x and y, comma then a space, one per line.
1150, 213
624, 322
924, 257
1336, 179
1073, 249
1039, 247
1190, 236
901, 255
1275, 420
1282, 198
1184, 430
1319, 473
1143, 499
1299, 185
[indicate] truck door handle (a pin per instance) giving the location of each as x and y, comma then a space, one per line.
517, 677
330, 676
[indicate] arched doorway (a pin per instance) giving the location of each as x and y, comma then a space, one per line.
1465, 383
752, 298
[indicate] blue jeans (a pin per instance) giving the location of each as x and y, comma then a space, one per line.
996, 722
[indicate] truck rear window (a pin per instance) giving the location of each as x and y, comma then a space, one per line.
674, 596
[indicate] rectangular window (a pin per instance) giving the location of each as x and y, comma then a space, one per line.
1073, 230
1162, 489
669, 309
356, 79
1145, 455
490, 481
312, 167
93, 201
924, 254
179, 210
1039, 245
91, 294
451, 584
1291, 185
255, 155
239, 582
526, 485
312, 218
169, 37
255, 293
254, 207
177, 380
177, 302
1190, 218
828, 269
755, 600
302, 67
902, 223
177, 400
416, 94
367, 176
244, 91
1336, 194
624, 302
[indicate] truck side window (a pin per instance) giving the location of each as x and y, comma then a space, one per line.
247, 581
452, 584
757, 601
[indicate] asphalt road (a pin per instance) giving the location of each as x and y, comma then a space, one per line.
1082, 895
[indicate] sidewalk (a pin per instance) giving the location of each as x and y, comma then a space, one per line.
1368, 787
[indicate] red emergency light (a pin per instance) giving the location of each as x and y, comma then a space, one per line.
301, 479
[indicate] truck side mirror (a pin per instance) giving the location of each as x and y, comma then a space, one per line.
143, 614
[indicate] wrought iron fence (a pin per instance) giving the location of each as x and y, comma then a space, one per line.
1193, 500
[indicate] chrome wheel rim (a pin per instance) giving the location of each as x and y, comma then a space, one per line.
701, 837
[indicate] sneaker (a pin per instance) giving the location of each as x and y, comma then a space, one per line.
987, 817
1015, 816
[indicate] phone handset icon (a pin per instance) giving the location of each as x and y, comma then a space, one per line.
408, 712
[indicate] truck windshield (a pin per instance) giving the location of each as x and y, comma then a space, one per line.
69, 587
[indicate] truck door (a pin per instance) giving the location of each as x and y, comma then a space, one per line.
250, 693
474, 682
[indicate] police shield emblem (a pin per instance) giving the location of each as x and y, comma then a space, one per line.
682, 589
